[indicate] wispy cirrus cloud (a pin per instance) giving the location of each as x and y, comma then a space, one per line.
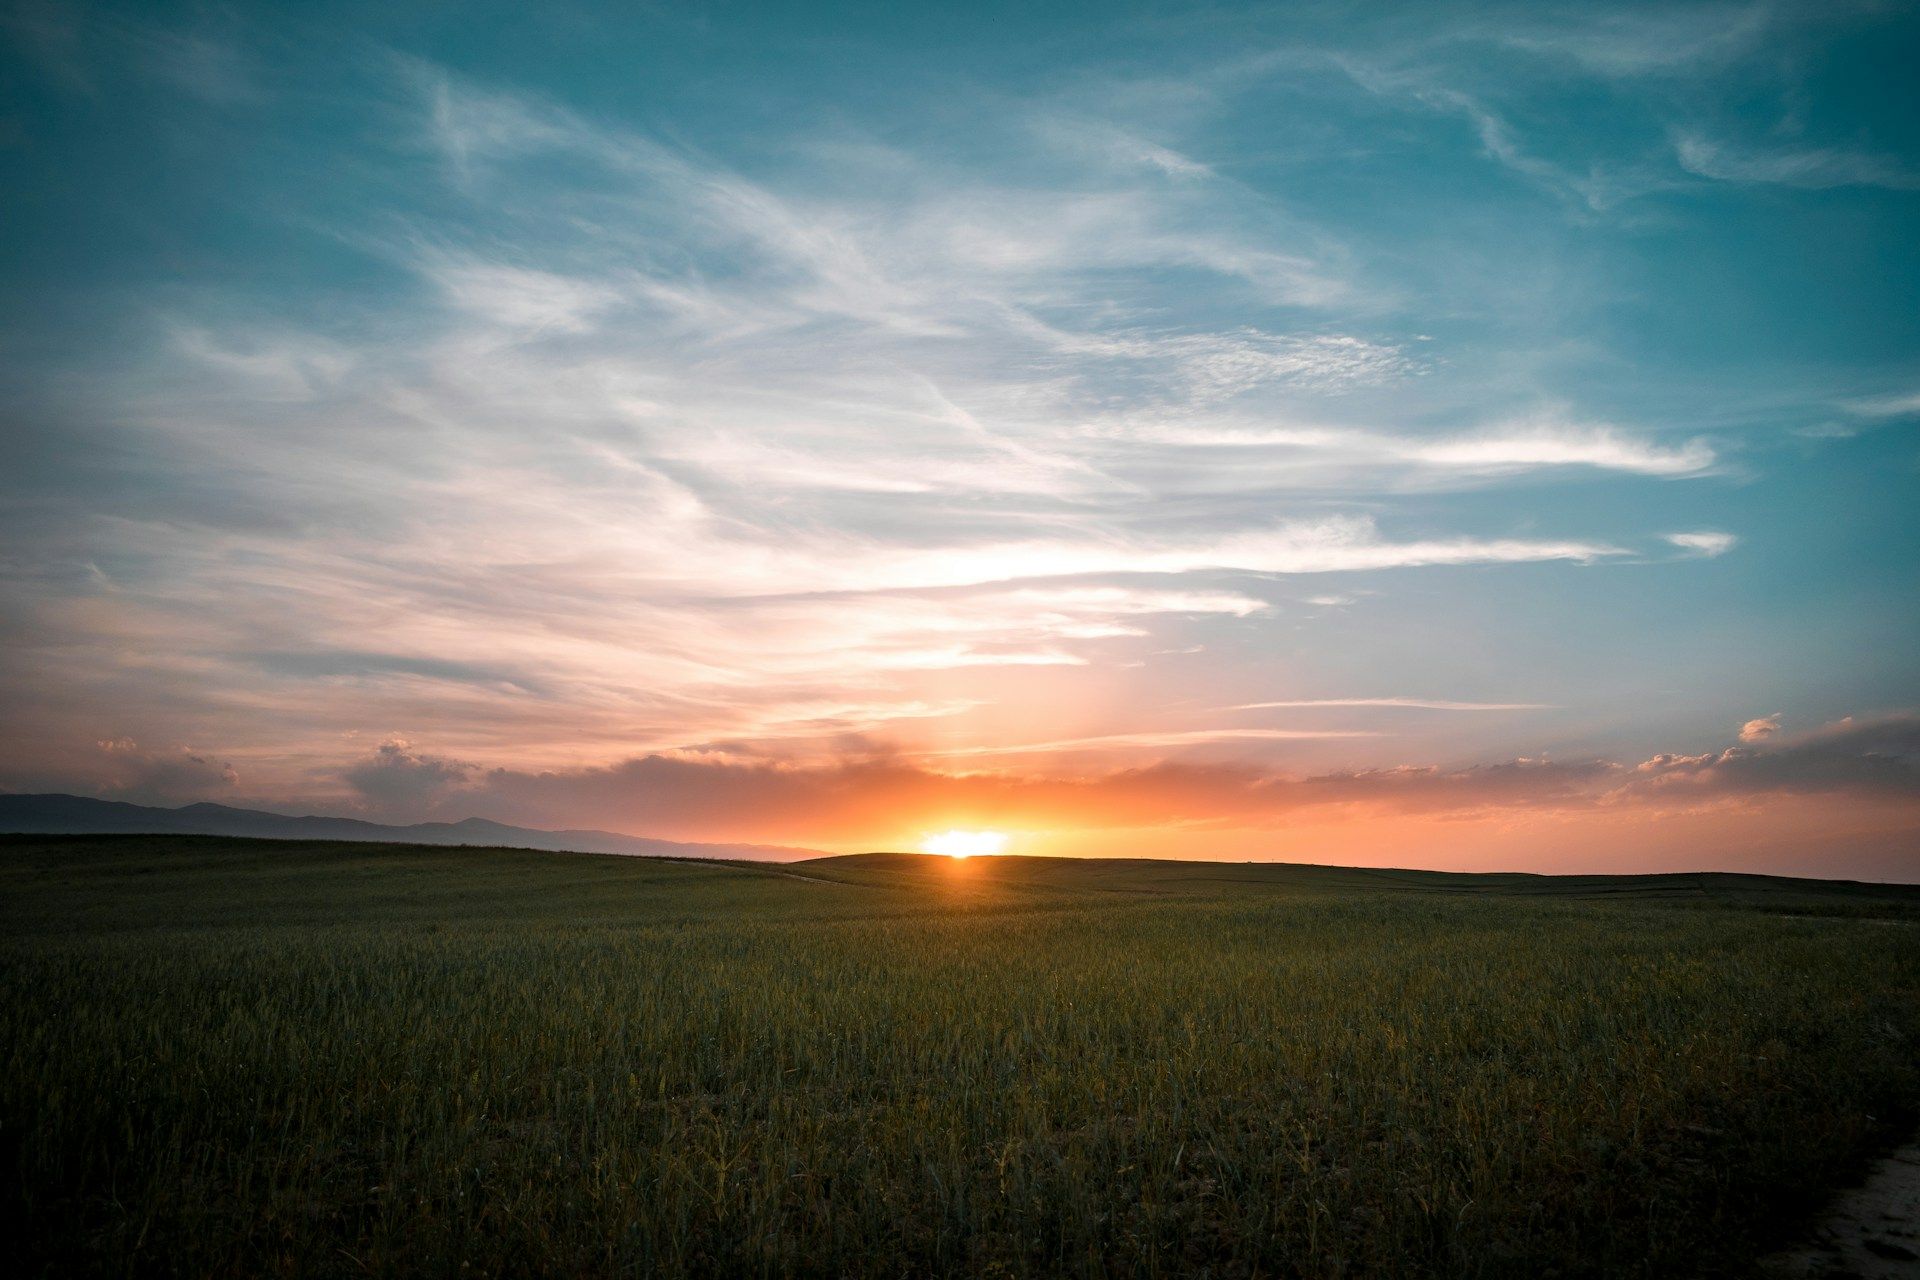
1334, 456
1411, 704
1647, 42
1816, 167
1133, 743
521, 299
1900, 404
1706, 542
1553, 443
722, 487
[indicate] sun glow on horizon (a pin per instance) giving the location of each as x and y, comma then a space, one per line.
965, 844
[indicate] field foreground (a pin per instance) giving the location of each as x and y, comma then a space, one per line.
244, 1058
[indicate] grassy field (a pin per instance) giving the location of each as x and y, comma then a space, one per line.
223, 1057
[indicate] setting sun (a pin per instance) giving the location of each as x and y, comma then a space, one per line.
965, 844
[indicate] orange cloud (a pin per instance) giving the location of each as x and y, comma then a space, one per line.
880, 798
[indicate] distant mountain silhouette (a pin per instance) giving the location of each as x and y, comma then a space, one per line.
81, 815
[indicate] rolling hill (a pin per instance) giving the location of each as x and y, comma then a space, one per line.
55, 814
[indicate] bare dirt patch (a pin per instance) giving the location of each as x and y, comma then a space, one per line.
1871, 1232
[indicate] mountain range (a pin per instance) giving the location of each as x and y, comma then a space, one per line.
54, 814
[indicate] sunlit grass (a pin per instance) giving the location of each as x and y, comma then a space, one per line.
236, 1059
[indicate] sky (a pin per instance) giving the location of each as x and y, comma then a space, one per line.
1470, 436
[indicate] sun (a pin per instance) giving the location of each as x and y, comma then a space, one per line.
965, 844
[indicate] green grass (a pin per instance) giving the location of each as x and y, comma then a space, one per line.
245, 1058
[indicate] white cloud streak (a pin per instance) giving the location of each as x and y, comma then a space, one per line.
1502, 450
1898, 405
1816, 168
1706, 543
1413, 704
1152, 741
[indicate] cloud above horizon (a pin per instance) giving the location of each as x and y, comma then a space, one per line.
690, 794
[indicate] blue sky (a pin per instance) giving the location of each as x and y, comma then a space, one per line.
587, 415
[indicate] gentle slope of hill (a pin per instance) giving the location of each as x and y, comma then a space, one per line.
81, 815
1171, 876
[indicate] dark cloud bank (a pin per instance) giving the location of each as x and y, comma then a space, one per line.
1877, 759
